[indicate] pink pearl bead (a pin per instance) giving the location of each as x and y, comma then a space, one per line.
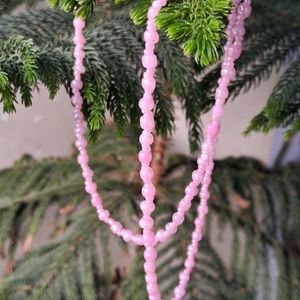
149, 84
146, 222
191, 191
151, 278
150, 254
146, 174
149, 61
126, 235
149, 267
148, 191
213, 129
149, 239
147, 122
161, 235
197, 176
91, 188
178, 218
146, 103
77, 85
96, 201
147, 207
145, 157
103, 215
78, 23
146, 138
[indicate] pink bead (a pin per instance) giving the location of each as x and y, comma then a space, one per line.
149, 61
151, 278
103, 215
149, 84
149, 238
213, 129
161, 235
138, 240
77, 85
150, 254
146, 138
203, 210
147, 207
185, 204
178, 218
191, 191
222, 93
146, 103
145, 157
146, 222
148, 191
96, 201
149, 267
147, 122
218, 112
82, 159
197, 176
78, 23
116, 228
91, 188
126, 235
146, 174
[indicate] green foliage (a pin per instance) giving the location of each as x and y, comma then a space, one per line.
283, 106
81, 8
112, 80
260, 206
197, 25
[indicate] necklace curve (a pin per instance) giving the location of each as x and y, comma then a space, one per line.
235, 32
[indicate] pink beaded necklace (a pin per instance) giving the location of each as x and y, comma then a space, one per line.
202, 175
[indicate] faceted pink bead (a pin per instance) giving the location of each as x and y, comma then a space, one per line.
161, 235
145, 157
146, 138
96, 201
91, 188
146, 222
149, 84
213, 129
78, 23
149, 238
149, 61
151, 278
150, 255
126, 235
104, 215
146, 103
222, 93
191, 191
178, 218
147, 122
197, 176
146, 173
148, 191
147, 207
149, 267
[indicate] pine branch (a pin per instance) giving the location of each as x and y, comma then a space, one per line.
112, 80
240, 189
283, 106
198, 25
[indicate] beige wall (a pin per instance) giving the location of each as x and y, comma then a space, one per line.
46, 128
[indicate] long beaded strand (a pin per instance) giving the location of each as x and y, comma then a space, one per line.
235, 32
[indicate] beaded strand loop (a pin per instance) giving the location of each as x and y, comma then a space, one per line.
202, 175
